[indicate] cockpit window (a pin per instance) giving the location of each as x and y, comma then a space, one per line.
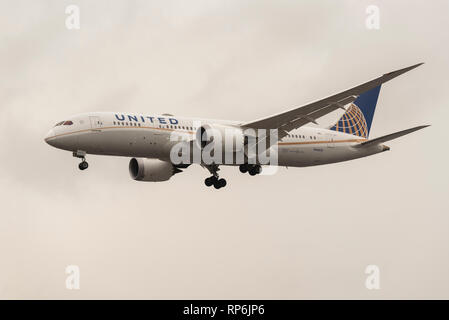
65, 123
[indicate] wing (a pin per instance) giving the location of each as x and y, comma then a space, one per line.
298, 117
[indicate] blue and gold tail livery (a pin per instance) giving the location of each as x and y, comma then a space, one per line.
359, 116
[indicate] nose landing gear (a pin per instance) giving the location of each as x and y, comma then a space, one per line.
83, 165
82, 155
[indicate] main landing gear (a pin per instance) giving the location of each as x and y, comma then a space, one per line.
252, 169
214, 180
82, 155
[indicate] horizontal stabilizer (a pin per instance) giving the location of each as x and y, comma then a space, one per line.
389, 137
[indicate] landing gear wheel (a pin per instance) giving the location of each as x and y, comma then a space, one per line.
83, 165
209, 181
243, 168
220, 183
255, 170
214, 180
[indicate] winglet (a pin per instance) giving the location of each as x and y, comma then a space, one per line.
394, 74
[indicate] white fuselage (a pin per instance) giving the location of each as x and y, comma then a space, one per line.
142, 136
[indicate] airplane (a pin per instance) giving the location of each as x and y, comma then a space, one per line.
148, 140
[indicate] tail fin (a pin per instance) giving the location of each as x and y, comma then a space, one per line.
359, 116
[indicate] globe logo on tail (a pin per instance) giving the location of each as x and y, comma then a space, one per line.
352, 122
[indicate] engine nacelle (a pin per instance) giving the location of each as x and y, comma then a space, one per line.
151, 169
231, 138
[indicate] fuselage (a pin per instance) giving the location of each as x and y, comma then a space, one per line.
143, 136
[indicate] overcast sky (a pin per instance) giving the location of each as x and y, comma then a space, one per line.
301, 233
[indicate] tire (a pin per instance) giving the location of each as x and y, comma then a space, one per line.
222, 183
208, 182
243, 168
256, 169
83, 165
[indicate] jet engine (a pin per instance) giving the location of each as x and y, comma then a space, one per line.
151, 169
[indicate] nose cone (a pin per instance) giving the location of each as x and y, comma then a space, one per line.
49, 136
